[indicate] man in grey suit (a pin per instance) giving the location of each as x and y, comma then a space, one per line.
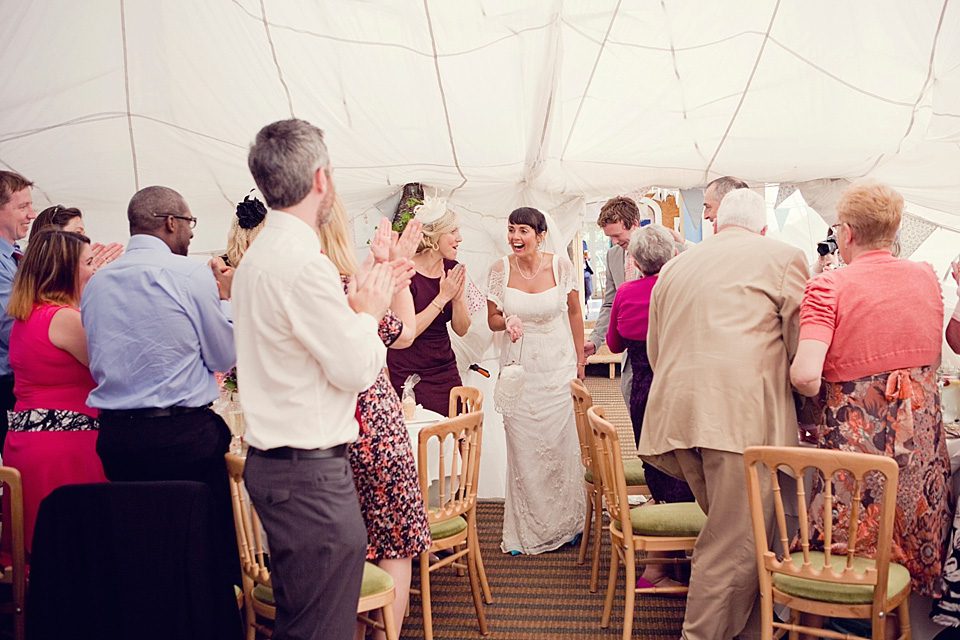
618, 218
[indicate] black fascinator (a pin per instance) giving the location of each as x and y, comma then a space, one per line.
250, 212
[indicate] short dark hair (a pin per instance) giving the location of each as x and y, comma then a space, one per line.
57, 216
529, 216
620, 209
151, 200
10, 183
283, 160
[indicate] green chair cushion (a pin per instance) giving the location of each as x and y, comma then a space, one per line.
668, 519
447, 528
632, 473
898, 578
375, 580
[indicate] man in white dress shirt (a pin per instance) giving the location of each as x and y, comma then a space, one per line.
304, 352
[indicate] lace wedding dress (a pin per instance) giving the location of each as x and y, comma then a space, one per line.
545, 498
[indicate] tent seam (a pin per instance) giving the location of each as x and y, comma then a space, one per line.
273, 54
743, 95
676, 73
593, 71
923, 89
111, 115
126, 95
443, 98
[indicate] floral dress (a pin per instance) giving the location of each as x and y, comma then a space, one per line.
384, 469
894, 414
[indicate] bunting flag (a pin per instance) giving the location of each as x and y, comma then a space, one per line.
913, 231
784, 192
692, 230
782, 215
693, 203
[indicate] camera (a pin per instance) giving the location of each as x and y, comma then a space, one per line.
827, 246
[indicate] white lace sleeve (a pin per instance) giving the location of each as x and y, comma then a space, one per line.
497, 282
566, 279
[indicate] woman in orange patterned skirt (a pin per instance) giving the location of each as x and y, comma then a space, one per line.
869, 346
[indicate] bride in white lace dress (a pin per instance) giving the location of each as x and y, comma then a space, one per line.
532, 295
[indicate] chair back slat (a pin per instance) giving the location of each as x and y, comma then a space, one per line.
250, 539
829, 467
13, 526
609, 461
464, 400
582, 401
458, 465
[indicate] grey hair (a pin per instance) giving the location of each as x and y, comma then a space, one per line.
150, 200
283, 160
650, 247
724, 185
743, 208
433, 230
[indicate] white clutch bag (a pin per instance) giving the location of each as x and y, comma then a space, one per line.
509, 387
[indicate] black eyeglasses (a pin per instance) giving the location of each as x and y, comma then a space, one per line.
190, 219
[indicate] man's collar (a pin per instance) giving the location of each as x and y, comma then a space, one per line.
147, 241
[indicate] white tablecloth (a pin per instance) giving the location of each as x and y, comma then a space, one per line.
424, 418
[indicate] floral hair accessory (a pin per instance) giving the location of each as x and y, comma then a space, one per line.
250, 213
431, 210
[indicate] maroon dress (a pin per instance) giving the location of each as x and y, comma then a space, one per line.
384, 470
430, 356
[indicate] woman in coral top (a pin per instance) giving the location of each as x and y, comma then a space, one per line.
53, 433
869, 347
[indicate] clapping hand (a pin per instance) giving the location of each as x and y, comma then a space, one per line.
371, 290
955, 269
406, 246
104, 253
223, 275
452, 283
388, 245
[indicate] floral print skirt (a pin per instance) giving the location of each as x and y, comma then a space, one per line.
385, 473
897, 415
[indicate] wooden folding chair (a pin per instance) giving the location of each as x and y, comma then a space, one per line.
469, 400
655, 527
453, 523
14, 574
835, 582
633, 475
376, 592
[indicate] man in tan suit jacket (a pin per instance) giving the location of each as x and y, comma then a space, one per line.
724, 320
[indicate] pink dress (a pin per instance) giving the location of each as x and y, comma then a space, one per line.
53, 433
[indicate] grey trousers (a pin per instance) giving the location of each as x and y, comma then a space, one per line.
317, 541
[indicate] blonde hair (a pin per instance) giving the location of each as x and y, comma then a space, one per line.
432, 231
239, 239
335, 239
874, 210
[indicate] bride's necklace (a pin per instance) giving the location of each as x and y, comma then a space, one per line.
525, 276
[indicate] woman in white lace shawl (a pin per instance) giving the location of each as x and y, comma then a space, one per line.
532, 295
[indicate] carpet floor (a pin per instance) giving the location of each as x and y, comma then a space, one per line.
544, 596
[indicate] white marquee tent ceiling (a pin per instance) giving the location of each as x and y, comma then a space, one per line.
497, 102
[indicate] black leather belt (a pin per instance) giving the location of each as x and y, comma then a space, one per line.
291, 453
124, 414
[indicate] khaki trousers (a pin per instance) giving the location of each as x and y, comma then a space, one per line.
723, 601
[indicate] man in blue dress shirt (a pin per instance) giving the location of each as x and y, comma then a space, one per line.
158, 326
16, 212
